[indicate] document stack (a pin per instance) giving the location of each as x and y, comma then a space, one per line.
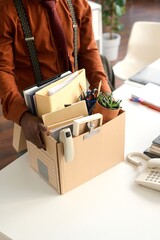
154, 150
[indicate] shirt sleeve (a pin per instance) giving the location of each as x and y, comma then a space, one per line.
88, 56
13, 105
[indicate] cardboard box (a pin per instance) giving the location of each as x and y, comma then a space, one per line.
19, 141
93, 155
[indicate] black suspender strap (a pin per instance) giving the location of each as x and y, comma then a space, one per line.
29, 41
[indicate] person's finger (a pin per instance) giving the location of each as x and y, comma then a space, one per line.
38, 141
44, 129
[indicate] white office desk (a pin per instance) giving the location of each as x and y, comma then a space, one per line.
109, 207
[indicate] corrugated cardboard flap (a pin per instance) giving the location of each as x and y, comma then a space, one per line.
19, 141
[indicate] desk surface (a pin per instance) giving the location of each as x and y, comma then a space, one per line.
110, 206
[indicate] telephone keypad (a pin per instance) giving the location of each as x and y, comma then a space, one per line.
154, 175
150, 178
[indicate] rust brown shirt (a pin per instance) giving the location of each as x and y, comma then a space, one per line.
16, 72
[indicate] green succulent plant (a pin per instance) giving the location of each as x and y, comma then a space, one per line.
107, 101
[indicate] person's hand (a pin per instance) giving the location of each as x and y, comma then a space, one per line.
32, 127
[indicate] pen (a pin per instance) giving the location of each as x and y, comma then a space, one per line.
138, 100
99, 87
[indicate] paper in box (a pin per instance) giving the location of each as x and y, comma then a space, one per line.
66, 95
78, 109
93, 156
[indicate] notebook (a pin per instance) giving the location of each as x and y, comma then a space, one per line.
149, 94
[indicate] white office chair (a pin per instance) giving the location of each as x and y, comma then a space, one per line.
143, 48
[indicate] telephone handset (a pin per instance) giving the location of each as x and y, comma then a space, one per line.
150, 177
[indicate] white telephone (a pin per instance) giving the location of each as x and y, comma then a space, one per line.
150, 177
